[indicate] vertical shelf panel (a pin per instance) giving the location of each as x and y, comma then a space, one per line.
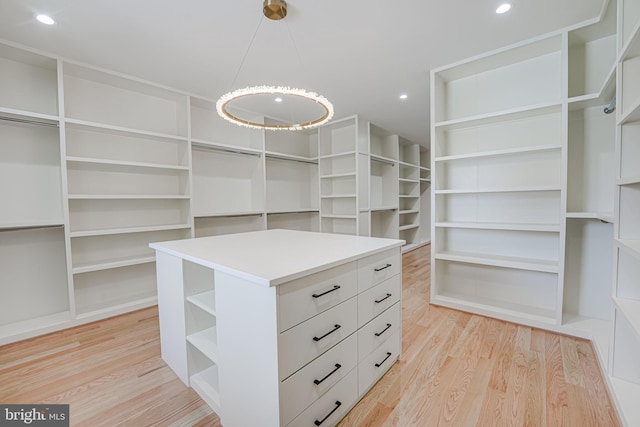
30, 180
92, 142
208, 126
116, 290
28, 82
226, 182
588, 269
591, 161
303, 221
99, 97
291, 185
214, 226
33, 276
527, 75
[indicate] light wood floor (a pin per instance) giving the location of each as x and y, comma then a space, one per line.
457, 370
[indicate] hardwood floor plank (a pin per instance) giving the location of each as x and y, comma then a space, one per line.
457, 369
571, 362
535, 408
471, 405
557, 402
504, 356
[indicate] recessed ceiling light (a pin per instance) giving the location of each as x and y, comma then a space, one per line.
504, 7
278, 99
45, 19
404, 96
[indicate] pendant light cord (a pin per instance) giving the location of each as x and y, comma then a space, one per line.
246, 53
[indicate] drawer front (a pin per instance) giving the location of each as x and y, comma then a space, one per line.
309, 383
375, 300
303, 298
378, 362
374, 333
303, 343
332, 406
377, 268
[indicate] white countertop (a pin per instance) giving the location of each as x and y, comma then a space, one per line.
272, 257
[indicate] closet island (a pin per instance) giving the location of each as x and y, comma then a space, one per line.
280, 327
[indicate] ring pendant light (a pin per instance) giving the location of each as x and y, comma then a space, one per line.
274, 10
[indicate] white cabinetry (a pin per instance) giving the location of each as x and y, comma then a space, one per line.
497, 151
292, 180
228, 173
96, 165
127, 169
626, 290
394, 188
338, 169
302, 332
33, 268
535, 187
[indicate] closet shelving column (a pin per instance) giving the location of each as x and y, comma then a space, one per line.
590, 180
228, 173
339, 143
292, 179
33, 273
497, 199
624, 367
127, 169
425, 196
383, 182
409, 193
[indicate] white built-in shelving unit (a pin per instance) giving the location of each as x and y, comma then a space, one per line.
531, 221
97, 165
228, 173
33, 269
625, 327
127, 182
498, 237
395, 183
292, 180
338, 163
383, 183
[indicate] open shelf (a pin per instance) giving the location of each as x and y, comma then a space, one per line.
109, 231
28, 81
497, 153
495, 308
501, 226
95, 96
531, 264
205, 383
206, 342
123, 262
501, 190
227, 182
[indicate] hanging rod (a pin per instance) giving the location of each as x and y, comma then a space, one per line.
29, 122
294, 212
30, 227
611, 107
380, 160
230, 215
204, 147
290, 159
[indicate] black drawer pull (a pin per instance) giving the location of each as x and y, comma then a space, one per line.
378, 301
318, 382
335, 288
383, 331
338, 404
381, 268
385, 359
335, 328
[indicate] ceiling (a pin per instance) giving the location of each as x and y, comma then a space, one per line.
360, 54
